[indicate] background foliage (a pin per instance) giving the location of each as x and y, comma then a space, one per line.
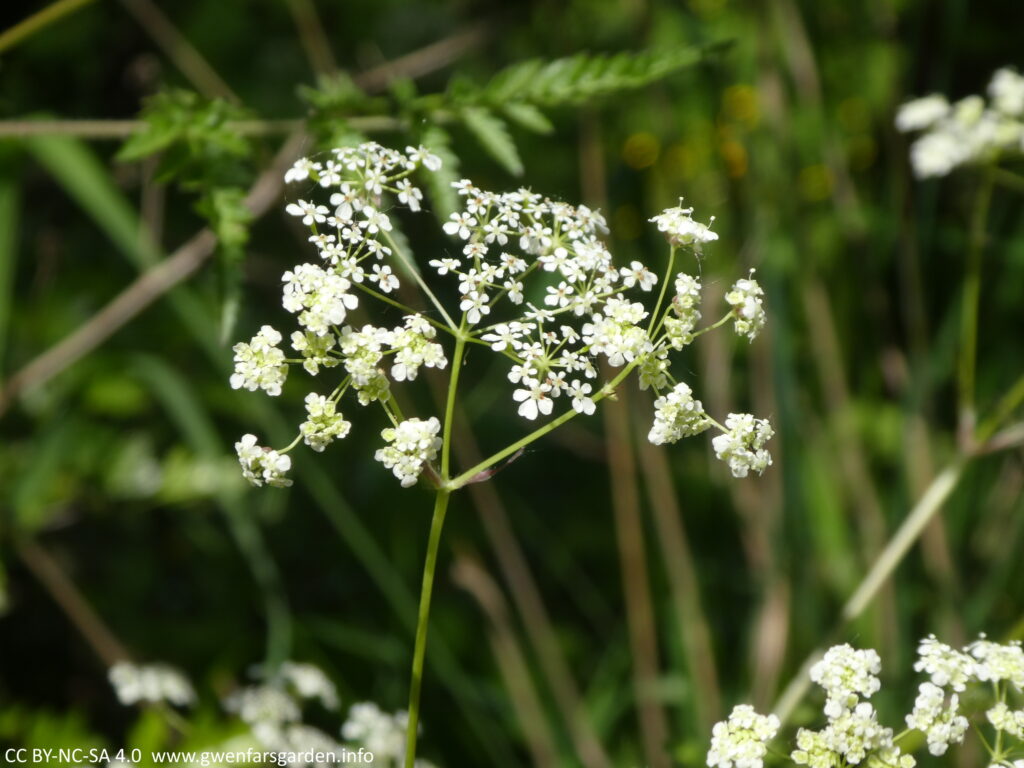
117, 473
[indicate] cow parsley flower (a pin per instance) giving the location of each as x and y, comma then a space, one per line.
742, 444
677, 415
323, 425
150, 683
969, 131
939, 721
682, 230
846, 674
745, 297
995, 662
945, 665
918, 114
263, 704
381, 733
742, 740
848, 739
411, 444
321, 298
310, 682
1007, 720
262, 465
260, 364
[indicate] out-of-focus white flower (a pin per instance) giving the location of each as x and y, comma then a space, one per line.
742, 740
848, 739
1007, 92
742, 444
945, 665
381, 733
310, 682
150, 683
995, 662
941, 724
262, 704
1007, 720
918, 114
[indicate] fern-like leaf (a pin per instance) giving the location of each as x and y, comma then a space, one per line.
492, 133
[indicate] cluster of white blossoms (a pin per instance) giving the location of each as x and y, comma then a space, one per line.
742, 444
969, 131
742, 740
535, 283
409, 445
150, 684
852, 734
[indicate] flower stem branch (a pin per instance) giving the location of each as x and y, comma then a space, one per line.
422, 623
490, 461
419, 280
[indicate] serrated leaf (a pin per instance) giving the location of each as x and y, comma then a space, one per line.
528, 117
439, 183
579, 78
492, 133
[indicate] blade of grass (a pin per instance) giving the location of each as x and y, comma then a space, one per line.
10, 209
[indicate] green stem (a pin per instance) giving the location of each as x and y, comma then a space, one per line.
655, 322
449, 408
419, 280
399, 305
440, 507
436, 524
469, 474
1007, 405
969, 313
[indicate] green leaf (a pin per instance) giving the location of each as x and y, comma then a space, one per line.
228, 215
492, 133
529, 117
579, 78
439, 183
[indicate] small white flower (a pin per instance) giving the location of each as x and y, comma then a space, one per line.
1007, 92
410, 445
581, 400
677, 415
262, 465
461, 224
681, 229
385, 279
945, 665
745, 297
742, 740
638, 273
941, 724
534, 400
1007, 720
309, 212
300, 170
845, 673
150, 683
310, 682
260, 364
322, 425
922, 113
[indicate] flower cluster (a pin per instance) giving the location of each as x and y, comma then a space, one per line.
742, 444
261, 464
853, 735
535, 283
410, 444
150, 684
742, 740
677, 415
969, 131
